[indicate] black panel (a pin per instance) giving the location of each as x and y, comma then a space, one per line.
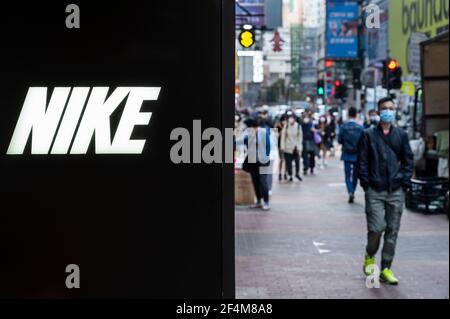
137, 225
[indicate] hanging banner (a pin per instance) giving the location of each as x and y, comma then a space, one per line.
342, 29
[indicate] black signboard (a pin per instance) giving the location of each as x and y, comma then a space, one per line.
89, 96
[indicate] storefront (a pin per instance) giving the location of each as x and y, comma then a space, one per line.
85, 121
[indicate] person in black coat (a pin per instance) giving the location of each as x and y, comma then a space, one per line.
385, 168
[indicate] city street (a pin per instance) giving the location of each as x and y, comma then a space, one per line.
311, 245
136, 138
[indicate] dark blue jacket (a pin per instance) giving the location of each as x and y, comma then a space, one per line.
307, 134
349, 135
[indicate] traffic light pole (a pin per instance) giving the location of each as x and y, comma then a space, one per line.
375, 84
388, 74
361, 59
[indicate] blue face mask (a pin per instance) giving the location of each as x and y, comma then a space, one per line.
387, 116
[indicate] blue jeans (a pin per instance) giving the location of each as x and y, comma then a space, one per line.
351, 178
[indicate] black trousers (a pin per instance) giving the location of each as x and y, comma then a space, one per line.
260, 183
309, 155
309, 160
289, 158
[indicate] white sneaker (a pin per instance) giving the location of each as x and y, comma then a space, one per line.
265, 207
256, 206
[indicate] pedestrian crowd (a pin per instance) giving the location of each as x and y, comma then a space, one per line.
375, 152
297, 143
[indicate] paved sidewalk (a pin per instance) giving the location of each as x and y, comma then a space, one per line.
311, 245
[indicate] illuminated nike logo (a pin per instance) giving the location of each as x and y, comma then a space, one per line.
63, 117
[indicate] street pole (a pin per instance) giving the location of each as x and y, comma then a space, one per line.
375, 81
360, 50
387, 75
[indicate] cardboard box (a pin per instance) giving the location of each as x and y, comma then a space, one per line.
243, 188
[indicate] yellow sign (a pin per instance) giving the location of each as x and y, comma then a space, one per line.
246, 39
410, 22
408, 89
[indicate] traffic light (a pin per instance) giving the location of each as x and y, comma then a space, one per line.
247, 37
357, 78
321, 88
392, 75
329, 64
340, 90
392, 64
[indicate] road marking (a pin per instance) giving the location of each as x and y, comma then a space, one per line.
321, 251
336, 185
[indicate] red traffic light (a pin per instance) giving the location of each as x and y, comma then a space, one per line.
392, 65
337, 83
329, 64
392, 75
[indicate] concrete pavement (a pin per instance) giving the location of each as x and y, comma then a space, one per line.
311, 245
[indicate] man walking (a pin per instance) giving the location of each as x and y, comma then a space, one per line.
349, 136
385, 166
291, 146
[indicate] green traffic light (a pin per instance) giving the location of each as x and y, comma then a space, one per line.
320, 91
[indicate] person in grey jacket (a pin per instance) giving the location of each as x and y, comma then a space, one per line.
291, 146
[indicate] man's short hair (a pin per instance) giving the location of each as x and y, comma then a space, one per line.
352, 111
251, 122
384, 100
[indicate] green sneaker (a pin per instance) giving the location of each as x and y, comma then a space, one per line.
387, 276
369, 263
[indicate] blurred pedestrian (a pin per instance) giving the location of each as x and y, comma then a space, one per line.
325, 144
239, 128
273, 152
332, 128
349, 136
309, 146
291, 146
281, 160
257, 140
373, 119
265, 120
385, 167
